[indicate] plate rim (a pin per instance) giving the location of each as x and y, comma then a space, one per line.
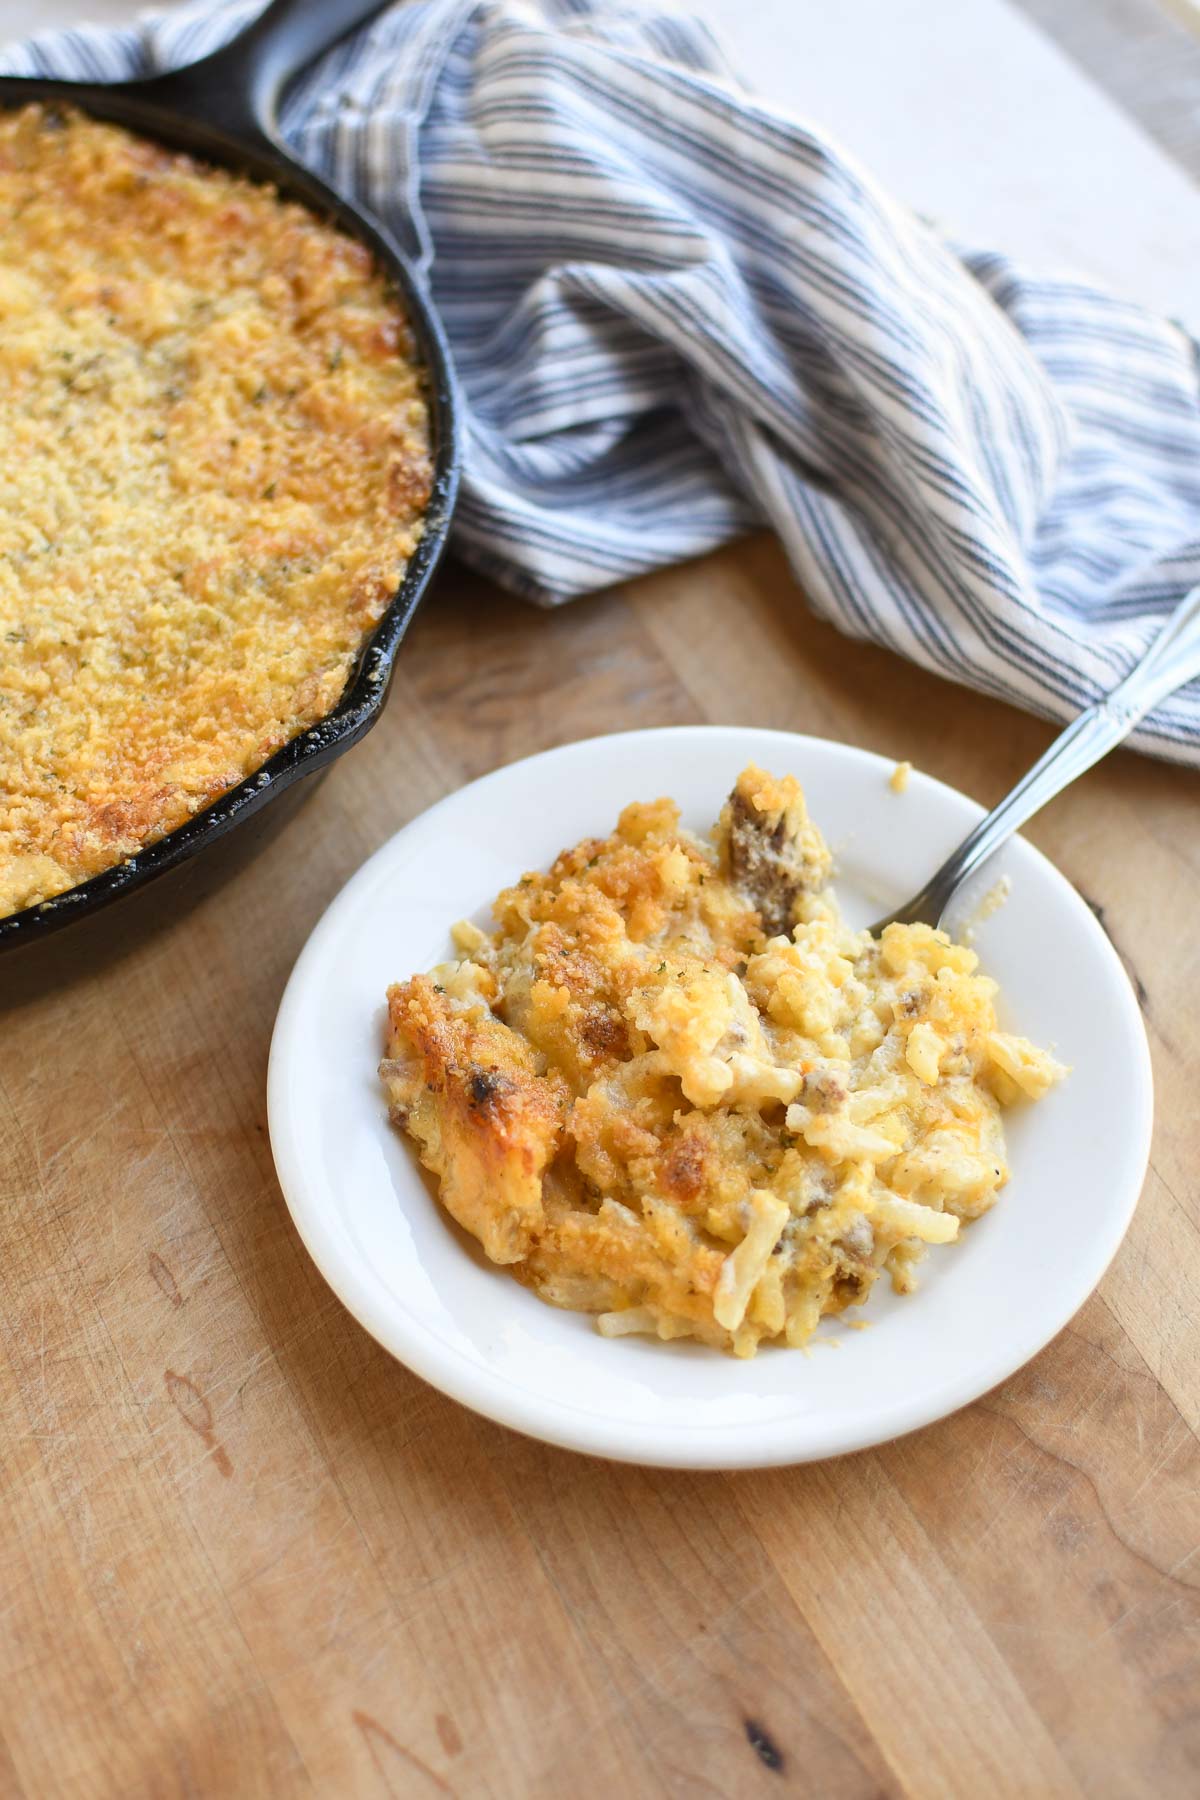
552, 1421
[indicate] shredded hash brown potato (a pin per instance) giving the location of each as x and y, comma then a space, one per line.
673, 1089
215, 458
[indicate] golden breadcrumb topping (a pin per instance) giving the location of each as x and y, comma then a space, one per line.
674, 1089
214, 458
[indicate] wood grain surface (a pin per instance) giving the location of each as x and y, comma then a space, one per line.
242, 1552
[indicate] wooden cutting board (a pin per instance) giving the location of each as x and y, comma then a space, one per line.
244, 1553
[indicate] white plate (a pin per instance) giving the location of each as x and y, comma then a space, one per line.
427, 1293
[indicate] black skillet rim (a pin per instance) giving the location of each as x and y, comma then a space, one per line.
366, 690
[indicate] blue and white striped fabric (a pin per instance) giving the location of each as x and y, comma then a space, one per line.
678, 313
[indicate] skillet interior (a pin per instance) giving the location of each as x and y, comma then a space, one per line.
365, 692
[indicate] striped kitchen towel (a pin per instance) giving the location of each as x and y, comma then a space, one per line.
678, 313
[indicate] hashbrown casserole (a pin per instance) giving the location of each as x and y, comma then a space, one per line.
675, 1090
216, 459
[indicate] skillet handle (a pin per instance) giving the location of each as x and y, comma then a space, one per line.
238, 87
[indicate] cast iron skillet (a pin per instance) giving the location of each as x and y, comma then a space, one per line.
224, 109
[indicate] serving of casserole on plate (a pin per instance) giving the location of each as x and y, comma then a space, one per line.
1011, 1278
674, 1089
215, 463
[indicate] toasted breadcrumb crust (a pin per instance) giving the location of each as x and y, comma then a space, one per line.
215, 463
674, 1089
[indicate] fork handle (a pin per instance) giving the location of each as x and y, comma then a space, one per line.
1172, 658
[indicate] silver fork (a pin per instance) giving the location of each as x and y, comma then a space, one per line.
1172, 658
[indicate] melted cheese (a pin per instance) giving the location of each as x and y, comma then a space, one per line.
714, 1132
